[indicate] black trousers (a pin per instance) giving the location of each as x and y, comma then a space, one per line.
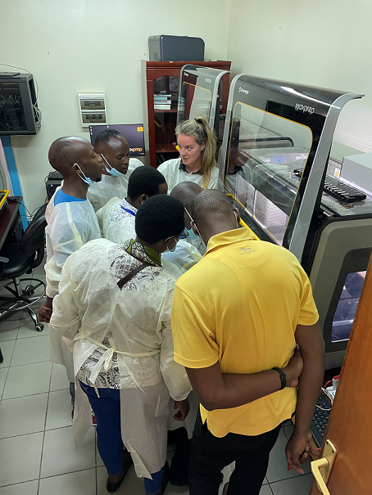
209, 455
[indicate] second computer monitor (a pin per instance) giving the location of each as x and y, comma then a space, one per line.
133, 133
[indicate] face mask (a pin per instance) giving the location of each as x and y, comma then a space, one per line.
173, 248
112, 171
191, 234
85, 179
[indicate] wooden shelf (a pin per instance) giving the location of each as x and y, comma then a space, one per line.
172, 110
166, 148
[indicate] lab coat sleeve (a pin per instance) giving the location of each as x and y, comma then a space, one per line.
65, 318
213, 182
174, 375
66, 235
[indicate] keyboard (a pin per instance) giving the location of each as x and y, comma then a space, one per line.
338, 189
320, 419
55, 175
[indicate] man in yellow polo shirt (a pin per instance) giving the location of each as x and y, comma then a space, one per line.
236, 318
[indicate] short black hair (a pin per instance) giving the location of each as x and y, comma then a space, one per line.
106, 135
144, 180
158, 218
64, 152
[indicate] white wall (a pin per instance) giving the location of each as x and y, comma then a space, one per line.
74, 46
323, 43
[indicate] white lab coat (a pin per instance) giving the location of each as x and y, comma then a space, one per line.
118, 225
173, 175
137, 319
110, 187
69, 226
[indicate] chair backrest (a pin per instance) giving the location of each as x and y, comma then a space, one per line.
33, 237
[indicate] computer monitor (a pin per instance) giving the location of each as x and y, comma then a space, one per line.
133, 133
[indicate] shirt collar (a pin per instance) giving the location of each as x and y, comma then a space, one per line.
143, 253
182, 167
229, 237
124, 203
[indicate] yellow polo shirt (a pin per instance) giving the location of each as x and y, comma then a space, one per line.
240, 305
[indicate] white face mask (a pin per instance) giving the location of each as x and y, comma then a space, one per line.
85, 179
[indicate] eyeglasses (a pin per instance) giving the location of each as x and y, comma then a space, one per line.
193, 221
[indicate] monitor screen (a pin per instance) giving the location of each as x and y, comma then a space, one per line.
133, 133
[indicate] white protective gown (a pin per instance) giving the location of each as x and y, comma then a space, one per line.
110, 187
69, 226
118, 225
173, 175
135, 324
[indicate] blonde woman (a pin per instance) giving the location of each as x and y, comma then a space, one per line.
197, 161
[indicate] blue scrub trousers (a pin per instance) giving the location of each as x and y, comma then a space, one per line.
106, 408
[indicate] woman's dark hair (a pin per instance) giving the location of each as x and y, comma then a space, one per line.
158, 218
144, 180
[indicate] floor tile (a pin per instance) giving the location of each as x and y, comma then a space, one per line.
60, 455
277, 469
59, 410
9, 327
3, 374
27, 328
22, 416
295, 486
7, 348
20, 458
27, 380
265, 490
28, 488
59, 378
78, 483
31, 350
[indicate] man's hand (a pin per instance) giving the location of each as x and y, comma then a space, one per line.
183, 407
294, 369
297, 450
46, 310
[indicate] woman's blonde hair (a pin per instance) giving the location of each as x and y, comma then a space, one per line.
199, 129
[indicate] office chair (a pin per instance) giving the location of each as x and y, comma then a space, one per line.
19, 258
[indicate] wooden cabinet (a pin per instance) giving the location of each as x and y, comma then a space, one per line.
164, 76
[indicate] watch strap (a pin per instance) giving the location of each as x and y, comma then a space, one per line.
283, 378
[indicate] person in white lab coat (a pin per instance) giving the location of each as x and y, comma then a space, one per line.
186, 192
114, 305
197, 161
114, 150
116, 218
71, 222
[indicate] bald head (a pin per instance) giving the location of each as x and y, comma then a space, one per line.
186, 192
65, 151
213, 213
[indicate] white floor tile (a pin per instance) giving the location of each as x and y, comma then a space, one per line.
31, 350
60, 455
27, 380
3, 374
59, 378
9, 327
78, 483
20, 458
22, 416
27, 328
28, 488
265, 490
277, 469
295, 486
59, 410
7, 349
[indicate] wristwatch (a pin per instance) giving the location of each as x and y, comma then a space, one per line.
283, 378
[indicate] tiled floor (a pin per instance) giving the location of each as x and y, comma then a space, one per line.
37, 452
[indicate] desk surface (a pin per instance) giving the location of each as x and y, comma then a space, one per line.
8, 217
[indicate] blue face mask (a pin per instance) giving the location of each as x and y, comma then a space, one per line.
110, 170
85, 179
191, 234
